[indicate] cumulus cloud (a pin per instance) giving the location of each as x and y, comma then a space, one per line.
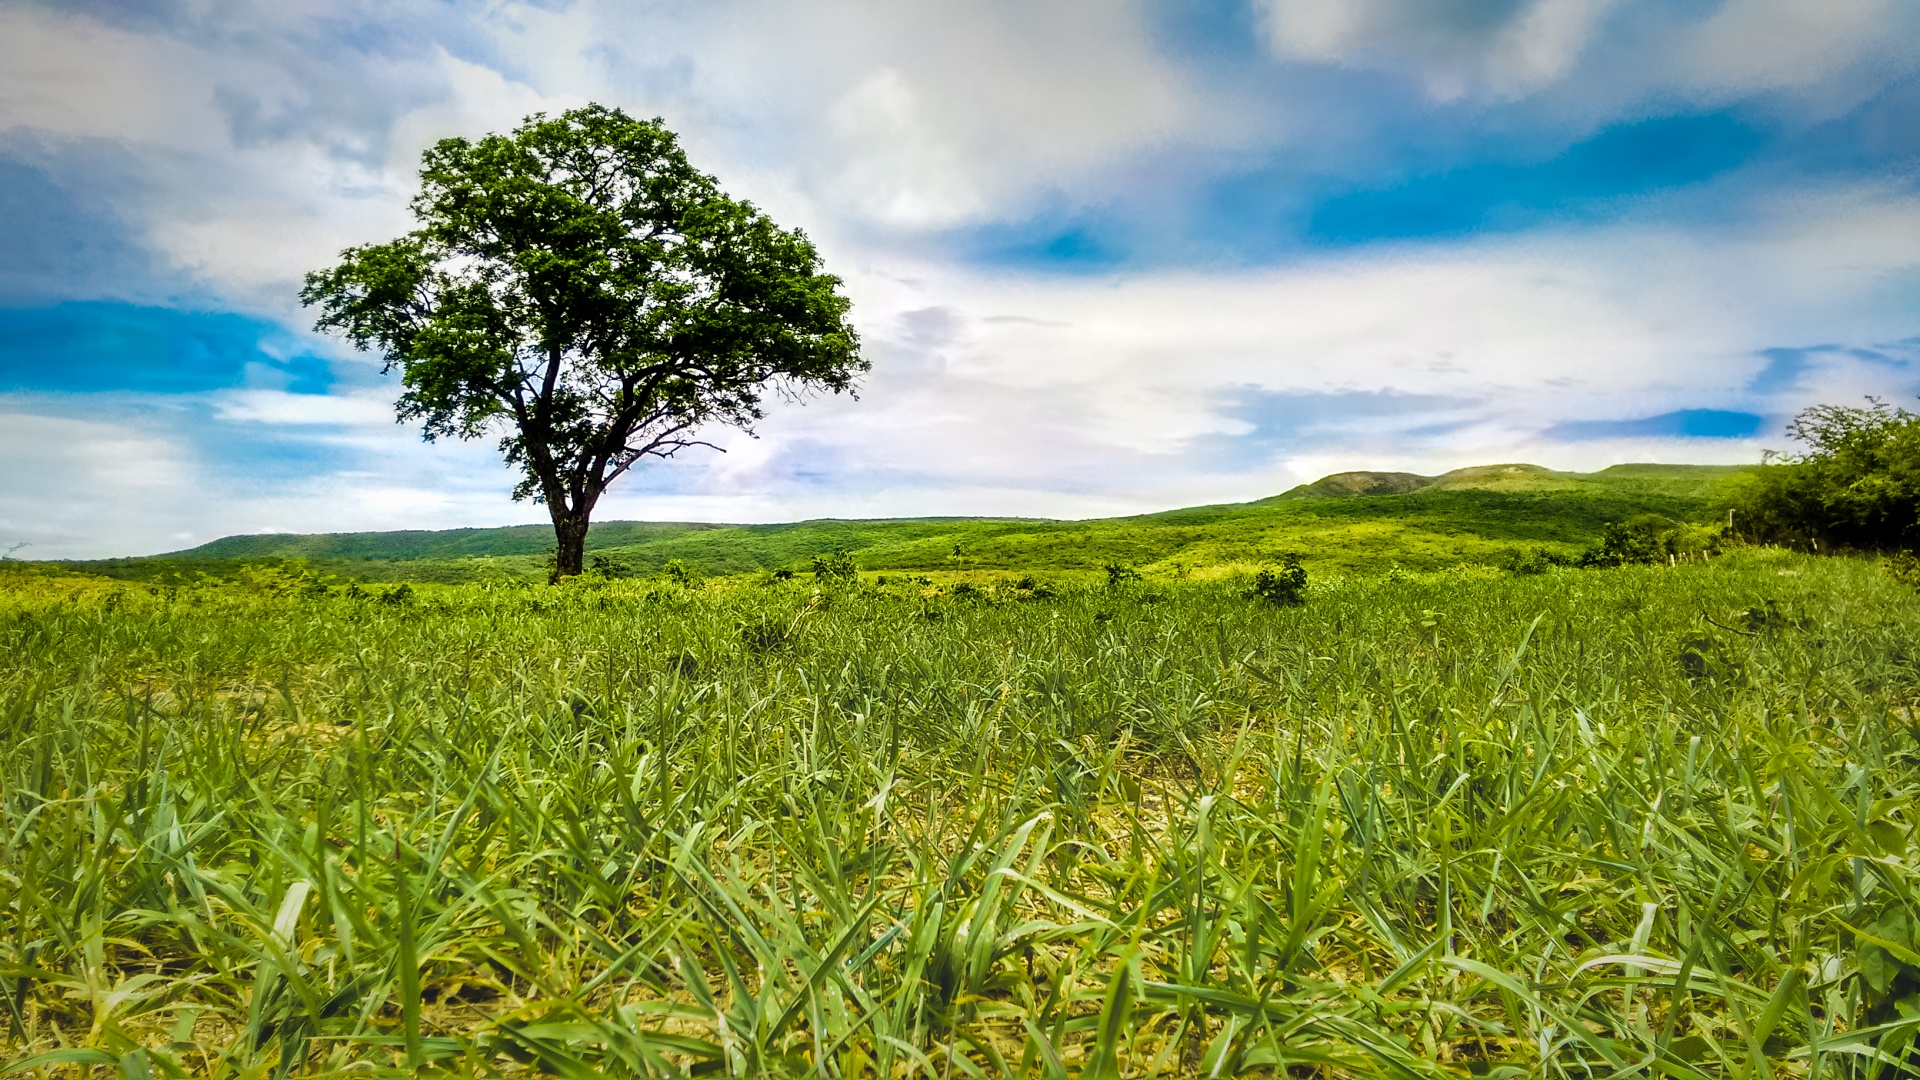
1611, 54
1509, 46
1769, 44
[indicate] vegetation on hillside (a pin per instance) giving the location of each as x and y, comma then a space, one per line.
1420, 825
1485, 516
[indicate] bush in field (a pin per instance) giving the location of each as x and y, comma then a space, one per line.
1644, 539
837, 567
1649, 539
1856, 486
607, 566
1904, 567
1120, 573
682, 574
1285, 586
1529, 561
289, 578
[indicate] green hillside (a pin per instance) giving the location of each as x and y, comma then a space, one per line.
1348, 522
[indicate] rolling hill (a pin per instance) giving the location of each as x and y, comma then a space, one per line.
1347, 522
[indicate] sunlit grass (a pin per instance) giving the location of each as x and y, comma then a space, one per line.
1587, 823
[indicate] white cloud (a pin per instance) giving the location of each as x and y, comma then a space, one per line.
1769, 44
305, 410
925, 115
1516, 48
80, 78
73, 484
1456, 46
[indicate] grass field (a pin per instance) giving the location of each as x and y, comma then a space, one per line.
1627, 822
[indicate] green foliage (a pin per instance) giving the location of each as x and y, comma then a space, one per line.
837, 567
607, 566
1119, 574
290, 577
1283, 587
579, 289
1856, 486
1459, 824
1533, 560
1904, 567
1650, 539
682, 574
1034, 588
1639, 541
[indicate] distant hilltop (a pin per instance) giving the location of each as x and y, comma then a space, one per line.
1676, 479
1356, 521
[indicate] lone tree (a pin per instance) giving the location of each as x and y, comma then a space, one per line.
580, 288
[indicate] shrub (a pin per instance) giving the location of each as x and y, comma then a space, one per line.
289, 578
682, 574
1904, 567
1285, 586
1535, 560
607, 566
1033, 588
1120, 574
1856, 486
1639, 540
765, 634
837, 567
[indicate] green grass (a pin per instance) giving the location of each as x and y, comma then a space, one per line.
1581, 824
1475, 516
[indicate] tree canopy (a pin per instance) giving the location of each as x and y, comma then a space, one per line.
1857, 485
578, 288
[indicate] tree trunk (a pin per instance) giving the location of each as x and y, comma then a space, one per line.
569, 543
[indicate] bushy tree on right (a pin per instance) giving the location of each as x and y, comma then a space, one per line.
1856, 486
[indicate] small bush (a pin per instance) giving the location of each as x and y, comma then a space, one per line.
1284, 587
1033, 588
289, 578
837, 567
681, 574
1529, 561
1642, 540
607, 566
764, 635
1903, 567
1120, 574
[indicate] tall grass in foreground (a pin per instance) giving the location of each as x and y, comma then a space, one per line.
1585, 824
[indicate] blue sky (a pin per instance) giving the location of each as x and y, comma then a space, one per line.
1107, 256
